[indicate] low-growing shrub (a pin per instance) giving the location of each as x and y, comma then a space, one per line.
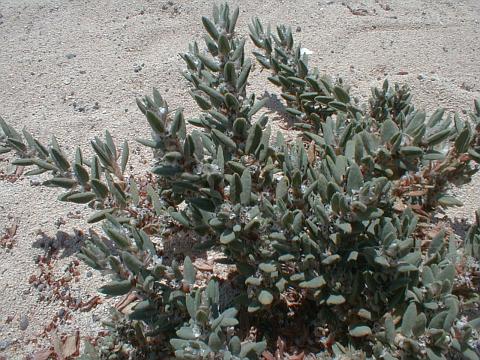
321, 232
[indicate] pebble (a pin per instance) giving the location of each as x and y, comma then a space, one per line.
138, 67
421, 76
4, 344
78, 106
70, 56
59, 222
23, 322
35, 181
88, 274
467, 86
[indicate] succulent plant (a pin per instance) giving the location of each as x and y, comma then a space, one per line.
206, 334
472, 238
389, 137
219, 80
99, 182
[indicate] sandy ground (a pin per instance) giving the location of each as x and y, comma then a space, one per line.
74, 68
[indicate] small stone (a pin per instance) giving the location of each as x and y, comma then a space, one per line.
4, 344
359, 11
421, 76
59, 222
67, 81
70, 56
88, 274
299, 29
61, 312
83, 72
35, 181
23, 322
467, 87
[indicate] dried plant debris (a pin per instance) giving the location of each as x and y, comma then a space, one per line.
7, 240
63, 348
53, 285
12, 174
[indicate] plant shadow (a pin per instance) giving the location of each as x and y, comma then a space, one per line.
61, 243
459, 227
277, 110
